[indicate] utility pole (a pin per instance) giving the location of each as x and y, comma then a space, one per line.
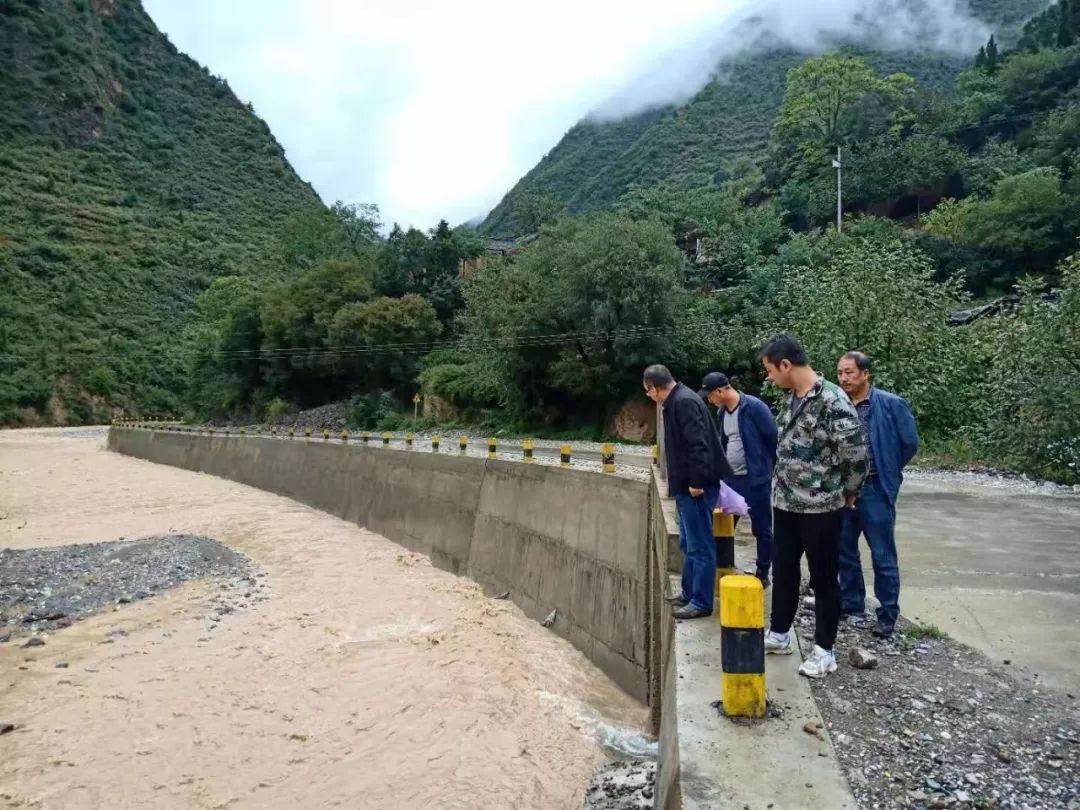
839, 166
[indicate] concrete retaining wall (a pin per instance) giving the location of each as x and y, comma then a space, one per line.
573, 541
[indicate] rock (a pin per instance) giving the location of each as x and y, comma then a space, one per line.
550, 620
36, 641
962, 796
62, 665
6, 637
861, 658
123, 600
812, 728
6, 728
503, 595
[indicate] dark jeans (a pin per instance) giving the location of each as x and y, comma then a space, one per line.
818, 536
698, 547
874, 517
759, 498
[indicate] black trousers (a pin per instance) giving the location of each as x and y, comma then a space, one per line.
818, 536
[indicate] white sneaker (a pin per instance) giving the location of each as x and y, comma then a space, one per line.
819, 664
778, 643
809, 602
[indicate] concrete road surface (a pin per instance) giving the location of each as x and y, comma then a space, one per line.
996, 565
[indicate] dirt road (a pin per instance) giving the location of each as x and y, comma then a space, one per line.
366, 679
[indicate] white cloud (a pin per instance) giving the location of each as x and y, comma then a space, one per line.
434, 109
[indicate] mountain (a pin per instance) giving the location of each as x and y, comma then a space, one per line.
695, 143
130, 177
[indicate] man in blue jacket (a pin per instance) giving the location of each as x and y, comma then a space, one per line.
890, 427
695, 466
748, 434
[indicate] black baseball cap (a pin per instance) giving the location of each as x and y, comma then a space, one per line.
712, 381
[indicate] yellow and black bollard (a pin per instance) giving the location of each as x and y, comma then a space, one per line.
345, 436
564, 456
656, 454
408, 441
463, 444
258, 430
742, 645
365, 437
243, 431
435, 444
307, 433
527, 450
607, 454
292, 431
723, 529
326, 434
386, 440
273, 430
209, 430
492, 448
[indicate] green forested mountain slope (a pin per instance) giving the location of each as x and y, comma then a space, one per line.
129, 179
695, 143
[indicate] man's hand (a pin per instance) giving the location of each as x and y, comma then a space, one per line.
696, 493
850, 501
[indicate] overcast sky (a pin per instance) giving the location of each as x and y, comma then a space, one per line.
431, 109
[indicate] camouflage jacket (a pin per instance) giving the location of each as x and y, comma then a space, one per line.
821, 454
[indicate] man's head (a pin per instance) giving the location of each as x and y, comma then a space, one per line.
658, 383
717, 389
783, 357
853, 373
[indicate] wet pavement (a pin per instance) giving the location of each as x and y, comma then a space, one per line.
996, 565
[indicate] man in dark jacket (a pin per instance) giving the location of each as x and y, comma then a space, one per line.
748, 434
695, 465
890, 427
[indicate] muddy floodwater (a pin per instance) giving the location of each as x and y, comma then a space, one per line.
354, 674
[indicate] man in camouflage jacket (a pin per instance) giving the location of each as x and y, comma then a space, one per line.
820, 466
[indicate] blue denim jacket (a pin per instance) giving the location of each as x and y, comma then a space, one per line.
893, 437
757, 426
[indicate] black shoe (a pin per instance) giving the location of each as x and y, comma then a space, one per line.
690, 612
677, 601
763, 575
882, 630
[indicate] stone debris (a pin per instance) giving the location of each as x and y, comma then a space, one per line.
861, 658
44, 589
938, 725
550, 620
622, 785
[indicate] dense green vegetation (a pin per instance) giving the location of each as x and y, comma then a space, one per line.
130, 179
157, 252
699, 142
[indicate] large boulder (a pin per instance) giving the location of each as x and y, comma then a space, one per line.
635, 421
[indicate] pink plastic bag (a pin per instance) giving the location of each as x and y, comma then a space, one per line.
731, 502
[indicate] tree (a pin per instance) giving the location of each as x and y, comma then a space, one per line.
608, 284
993, 57
374, 338
534, 211
820, 95
878, 295
360, 223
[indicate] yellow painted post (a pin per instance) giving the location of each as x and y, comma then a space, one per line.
408, 441
607, 453
365, 437
326, 434
527, 450
209, 430
463, 444
258, 430
345, 436
564, 456
435, 441
723, 529
273, 430
656, 454
386, 440
292, 431
742, 646
243, 431
307, 433
227, 430
492, 448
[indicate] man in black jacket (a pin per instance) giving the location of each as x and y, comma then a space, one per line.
695, 465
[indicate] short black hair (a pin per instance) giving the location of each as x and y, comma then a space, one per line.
784, 347
861, 360
658, 376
